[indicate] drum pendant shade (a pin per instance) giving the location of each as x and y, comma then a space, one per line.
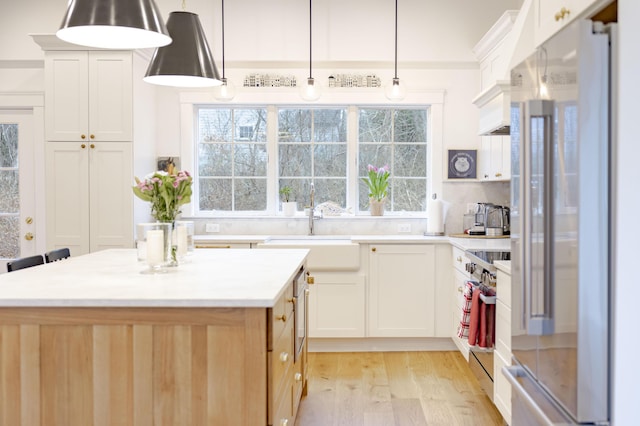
187, 61
114, 24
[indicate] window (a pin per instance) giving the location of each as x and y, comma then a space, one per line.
232, 159
246, 154
312, 147
397, 138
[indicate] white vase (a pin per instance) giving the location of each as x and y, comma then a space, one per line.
289, 208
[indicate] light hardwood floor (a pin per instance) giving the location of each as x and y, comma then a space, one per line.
394, 388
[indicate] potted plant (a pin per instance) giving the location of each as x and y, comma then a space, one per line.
288, 207
377, 181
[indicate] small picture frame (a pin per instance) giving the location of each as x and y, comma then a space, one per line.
170, 165
462, 164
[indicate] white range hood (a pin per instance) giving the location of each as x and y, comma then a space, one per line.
494, 104
508, 40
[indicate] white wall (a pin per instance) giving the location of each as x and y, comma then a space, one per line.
277, 30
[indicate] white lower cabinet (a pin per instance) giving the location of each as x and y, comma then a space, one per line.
89, 200
337, 305
402, 291
459, 279
502, 352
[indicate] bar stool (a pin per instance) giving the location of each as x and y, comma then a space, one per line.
25, 262
58, 254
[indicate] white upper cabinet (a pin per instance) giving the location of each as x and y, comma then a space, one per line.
494, 161
552, 15
88, 96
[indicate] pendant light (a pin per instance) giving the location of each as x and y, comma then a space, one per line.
187, 61
226, 91
395, 91
311, 90
114, 24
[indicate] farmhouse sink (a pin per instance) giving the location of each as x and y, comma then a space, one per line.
326, 252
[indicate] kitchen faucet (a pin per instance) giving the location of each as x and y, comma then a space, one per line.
312, 207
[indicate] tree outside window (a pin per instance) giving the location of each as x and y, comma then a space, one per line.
232, 159
312, 147
397, 138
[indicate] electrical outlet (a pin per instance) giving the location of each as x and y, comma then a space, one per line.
212, 227
405, 227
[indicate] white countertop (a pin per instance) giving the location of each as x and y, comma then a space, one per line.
113, 278
503, 244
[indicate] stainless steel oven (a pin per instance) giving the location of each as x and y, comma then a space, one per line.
300, 306
482, 270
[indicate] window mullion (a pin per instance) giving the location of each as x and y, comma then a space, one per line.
272, 162
352, 157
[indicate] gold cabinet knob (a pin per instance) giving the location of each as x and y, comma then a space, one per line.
29, 220
311, 280
83, 137
563, 12
282, 318
28, 236
284, 356
92, 146
498, 174
373, 249
297, 377
291, 300
459, 259
459, 289
83, 146
92, 136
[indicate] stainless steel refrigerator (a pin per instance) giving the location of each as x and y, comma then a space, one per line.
561, 141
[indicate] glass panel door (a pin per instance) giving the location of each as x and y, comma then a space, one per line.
17, 221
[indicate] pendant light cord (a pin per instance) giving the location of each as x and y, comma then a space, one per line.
396, 44
223, 73
310, 39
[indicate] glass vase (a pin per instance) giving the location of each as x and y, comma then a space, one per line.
183, 232
154, 243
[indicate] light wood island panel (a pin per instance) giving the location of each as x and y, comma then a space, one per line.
133, 366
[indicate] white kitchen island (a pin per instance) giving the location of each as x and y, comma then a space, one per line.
92, 341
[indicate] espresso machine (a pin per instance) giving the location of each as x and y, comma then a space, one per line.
488, 219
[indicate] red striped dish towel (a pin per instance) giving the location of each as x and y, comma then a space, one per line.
482, 319
463, 328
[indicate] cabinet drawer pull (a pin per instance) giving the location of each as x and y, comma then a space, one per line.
83, 136
92, 146
373, 249
284, 422
282, 318
498, 174
284, 356
311, 280
459, 258
460, 290
92, 136
297, 377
